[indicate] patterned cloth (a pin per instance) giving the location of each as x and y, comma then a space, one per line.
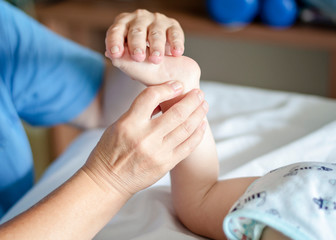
298, 200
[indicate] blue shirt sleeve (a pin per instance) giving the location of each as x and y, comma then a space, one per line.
51, 79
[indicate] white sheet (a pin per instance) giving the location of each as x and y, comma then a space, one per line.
255, 130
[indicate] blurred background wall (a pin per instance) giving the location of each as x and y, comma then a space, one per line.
261, 65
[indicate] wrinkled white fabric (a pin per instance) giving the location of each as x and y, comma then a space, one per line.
255, 131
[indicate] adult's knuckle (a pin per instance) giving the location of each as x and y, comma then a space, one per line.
121, 16
141, 12
152, 93
145, 148
113, 29
174, 22
187, 149
137, 30
156, 34
159, 16
200, 114
178, 114
123, 128
142, 147
188, 128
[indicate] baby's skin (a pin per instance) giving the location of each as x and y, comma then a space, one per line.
200, 200
181, 68
271, 234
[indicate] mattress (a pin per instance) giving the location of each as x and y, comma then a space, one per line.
255, 130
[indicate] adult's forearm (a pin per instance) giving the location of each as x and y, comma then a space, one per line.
76, 210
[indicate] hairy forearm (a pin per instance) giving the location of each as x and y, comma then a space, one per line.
76, 210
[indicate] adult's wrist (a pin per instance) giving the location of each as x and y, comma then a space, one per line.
98, 172
78, 209
96, 204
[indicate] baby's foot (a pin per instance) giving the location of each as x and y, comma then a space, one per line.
183, 69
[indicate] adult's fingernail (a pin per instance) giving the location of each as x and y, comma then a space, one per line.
176, 85
156, 54
137, 51
115, 49
177, 49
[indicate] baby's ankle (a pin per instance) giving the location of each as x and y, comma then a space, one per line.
190, 75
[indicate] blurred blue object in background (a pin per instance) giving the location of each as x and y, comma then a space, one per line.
234, 13
278, 13
328, 7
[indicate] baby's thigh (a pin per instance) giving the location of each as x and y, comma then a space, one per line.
272, 234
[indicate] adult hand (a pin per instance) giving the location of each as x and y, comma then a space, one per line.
138, 29
138, 150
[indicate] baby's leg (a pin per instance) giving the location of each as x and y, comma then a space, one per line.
272, 234
200, 201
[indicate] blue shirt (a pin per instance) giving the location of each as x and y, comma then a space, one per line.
44, 80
